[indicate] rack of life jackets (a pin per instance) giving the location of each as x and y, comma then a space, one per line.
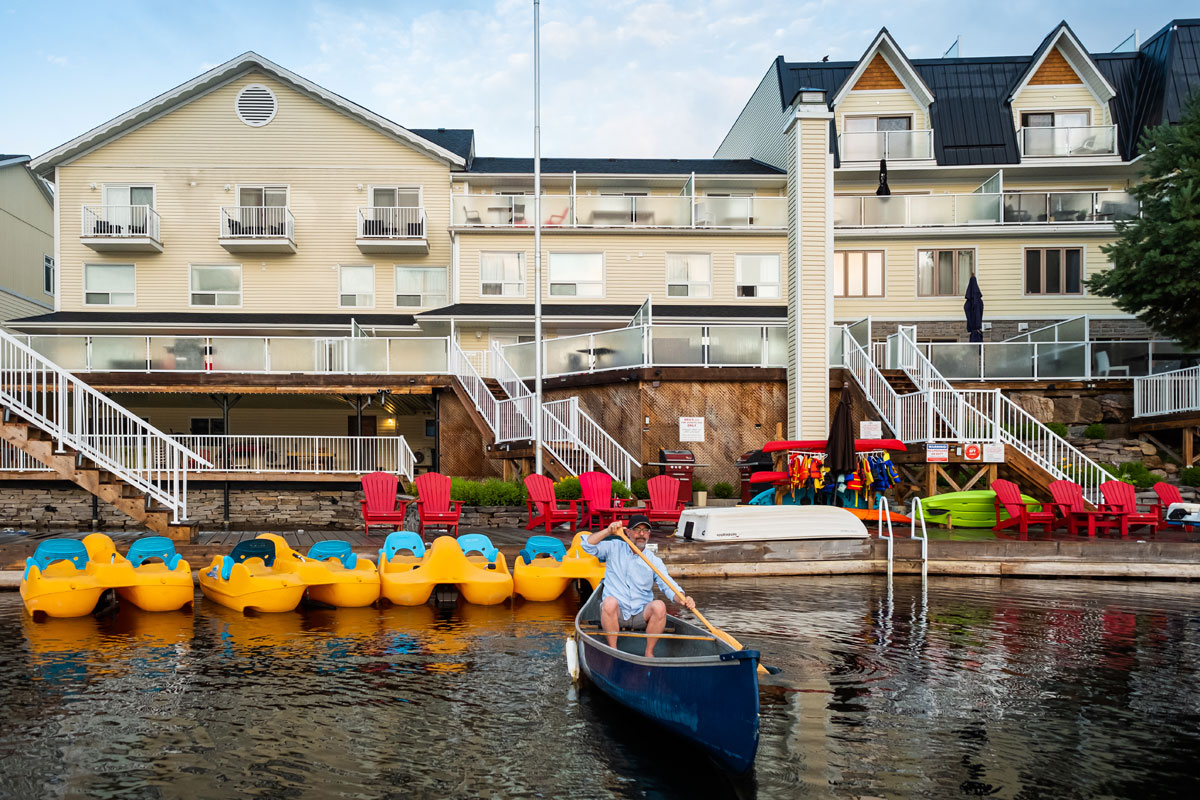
810, 482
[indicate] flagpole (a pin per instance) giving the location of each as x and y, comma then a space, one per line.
537, 241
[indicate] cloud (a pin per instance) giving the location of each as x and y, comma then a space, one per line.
59, 61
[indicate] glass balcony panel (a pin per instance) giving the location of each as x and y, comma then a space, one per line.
119, 353
777, 346
487, 210
1008, 360
567, 355
956, 360
667, 212
977, 209
293, 355
367, 355
878, 211
1043, 141
847, 212
862, 146
69, 352
1097, 140
1120, 359
1025, 207
1073, 330
861, 332
909, 144
677, 344
604, 212
420, 356
522, 358
935, 209
1171, 355
768, 212
556, 210
1043, 335
1060, 360
1113, 206
240, 354
177, 353
619, 348
837, 348
1070, 206
735, 345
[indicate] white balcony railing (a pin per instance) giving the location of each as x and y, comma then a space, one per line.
1167, 393
395, 222
977, 208
1093, 140
120, 222
257, 222
890, 145
593, 211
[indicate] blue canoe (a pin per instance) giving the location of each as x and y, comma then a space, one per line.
704, 691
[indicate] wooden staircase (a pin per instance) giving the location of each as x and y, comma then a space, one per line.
84, 473
517, 457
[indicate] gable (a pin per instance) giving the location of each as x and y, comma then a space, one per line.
1055, 71
878, 75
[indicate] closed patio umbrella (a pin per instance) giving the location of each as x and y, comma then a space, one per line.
839, 450
883, 189
974, 310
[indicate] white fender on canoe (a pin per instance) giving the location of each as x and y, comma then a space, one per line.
572, 659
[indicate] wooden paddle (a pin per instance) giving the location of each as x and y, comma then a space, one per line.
715, 631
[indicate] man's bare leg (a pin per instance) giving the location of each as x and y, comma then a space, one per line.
610, 619
656, 621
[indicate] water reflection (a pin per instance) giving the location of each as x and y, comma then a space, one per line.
962, 688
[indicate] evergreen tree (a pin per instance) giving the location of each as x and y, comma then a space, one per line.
1155, 271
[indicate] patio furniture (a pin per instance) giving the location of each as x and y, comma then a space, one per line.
599, 504
1121, 498
381, 503
1167, 494
435, 509
1104, 367
471, 216
1008, 499
558, 219
543, 505
1073, 511
664, 504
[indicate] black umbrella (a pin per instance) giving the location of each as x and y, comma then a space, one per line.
839, 450
974, 310
883, 189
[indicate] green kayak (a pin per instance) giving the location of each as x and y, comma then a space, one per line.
973, 509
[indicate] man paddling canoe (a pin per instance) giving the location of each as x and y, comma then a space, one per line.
629, 583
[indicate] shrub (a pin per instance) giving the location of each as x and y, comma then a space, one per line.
698, 485
465, 490
640, 490
568, 489
491, 492
1096, 430
619, 489
722, 490
1057, 427
1133, 472
1190, 476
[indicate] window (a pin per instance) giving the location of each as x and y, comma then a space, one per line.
125, 195
757, 276
502, 274
395, 197
431, 428
420, 287
48, 274
858, 273
576, 274
109, 285
1055, 119
207, 426
263, 196
216, 286
689, 275
944, 273
356, 287
862, 124
1054, 270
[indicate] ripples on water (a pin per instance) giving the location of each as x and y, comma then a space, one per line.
976, 687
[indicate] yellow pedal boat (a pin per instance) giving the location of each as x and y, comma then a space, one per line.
545, 567
251, 577
162, 585
353, 581
470, 563
62, 581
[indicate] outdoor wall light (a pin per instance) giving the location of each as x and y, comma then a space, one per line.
360, 187
478, 334
647, 421
93, 186
226, 186
191, 183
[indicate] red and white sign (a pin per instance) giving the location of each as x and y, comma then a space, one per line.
691, 429
973, 451
937, 453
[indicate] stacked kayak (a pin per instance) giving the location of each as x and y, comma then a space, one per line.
972, 509
545, 567
409, 573
65, 577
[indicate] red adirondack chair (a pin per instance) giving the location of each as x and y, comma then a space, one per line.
1069, 505
543, 505
1008, 498
434, 506
1167, 494
381, 504
598, 503
664, 504
1120, 497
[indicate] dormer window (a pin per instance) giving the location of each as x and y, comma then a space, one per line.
1056, 119
891, 136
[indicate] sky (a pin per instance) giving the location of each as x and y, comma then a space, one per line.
619, 78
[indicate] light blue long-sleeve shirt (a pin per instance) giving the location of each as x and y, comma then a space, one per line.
627, 578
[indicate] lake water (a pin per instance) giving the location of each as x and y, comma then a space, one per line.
1015, 688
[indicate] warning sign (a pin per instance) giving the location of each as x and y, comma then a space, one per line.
691, 429
937, 453
993, 453
973, 451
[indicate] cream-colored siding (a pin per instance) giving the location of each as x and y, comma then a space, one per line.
890, 102
26, 238
635, 263
1059, 98
1000, 268
192, 153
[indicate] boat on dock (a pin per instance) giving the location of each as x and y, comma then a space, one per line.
763, 523
696, 686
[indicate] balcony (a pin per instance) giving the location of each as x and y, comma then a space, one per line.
121, 229
657, 212
1054, 142
396, 229
257, 229
989, 210
890, 145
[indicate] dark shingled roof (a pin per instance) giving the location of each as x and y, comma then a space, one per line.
219, 318
627, 166
971, 115
616, 310
457, 140
7, 157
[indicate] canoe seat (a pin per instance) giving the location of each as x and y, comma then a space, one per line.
401, 540
478, 543
542, 545
53, 550
333, 548
153, 547
250, 548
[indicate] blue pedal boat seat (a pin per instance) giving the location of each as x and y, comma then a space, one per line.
153, 547
333, 548
478, 543
250, 548
401, 540
542, 545
53, 550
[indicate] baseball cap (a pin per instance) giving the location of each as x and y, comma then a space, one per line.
638, 519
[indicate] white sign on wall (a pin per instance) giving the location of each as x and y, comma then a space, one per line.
993, 453
870, 429
691, 429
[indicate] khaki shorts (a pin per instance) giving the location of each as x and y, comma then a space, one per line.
635, 623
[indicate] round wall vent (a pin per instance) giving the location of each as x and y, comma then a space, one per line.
255, 105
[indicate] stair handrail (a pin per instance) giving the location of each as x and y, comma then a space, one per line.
473, 385
95, 426
904, 413
950, 413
